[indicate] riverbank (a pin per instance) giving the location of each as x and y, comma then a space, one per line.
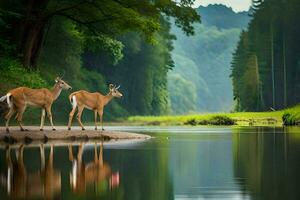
273, 118
63, 135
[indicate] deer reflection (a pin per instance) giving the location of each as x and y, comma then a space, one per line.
46, 182
96, 172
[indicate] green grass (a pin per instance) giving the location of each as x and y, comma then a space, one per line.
273, 118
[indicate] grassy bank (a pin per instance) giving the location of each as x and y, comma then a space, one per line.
274, 118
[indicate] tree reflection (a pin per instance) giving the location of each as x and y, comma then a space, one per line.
268, 162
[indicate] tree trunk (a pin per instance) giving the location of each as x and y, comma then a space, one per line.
32, 45
30, 31
272, 65
284, 72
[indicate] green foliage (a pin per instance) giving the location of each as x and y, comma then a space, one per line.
215, 120
182, 94
111, 46
271, 37
221, 120
26, 23
142, 73
95, 43
291, 118
14, 75
203, 60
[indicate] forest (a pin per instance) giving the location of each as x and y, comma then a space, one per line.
93, 43
200, 80
266, 63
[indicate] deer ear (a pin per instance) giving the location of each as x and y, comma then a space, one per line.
111, 86
57, 79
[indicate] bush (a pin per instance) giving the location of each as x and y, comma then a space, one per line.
13, 74
290, 118
221, 120
215, 120
192, 122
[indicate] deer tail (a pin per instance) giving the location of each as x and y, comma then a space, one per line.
72, 99
7, 98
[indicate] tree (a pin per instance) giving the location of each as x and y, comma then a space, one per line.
33, 18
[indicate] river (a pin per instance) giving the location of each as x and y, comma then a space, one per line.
177, 163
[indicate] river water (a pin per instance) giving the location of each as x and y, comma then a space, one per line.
178, 163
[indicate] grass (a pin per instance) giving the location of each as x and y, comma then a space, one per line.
274, 118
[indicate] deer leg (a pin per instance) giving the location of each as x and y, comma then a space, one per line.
95, 153
10, 171
20, 156
80, 153
71, 115
8, 157
101, 118
71, 157
80, 109
95, 117
8, 116
42, 154
42, 119
19, 117
101, 155
49, 113
50, 159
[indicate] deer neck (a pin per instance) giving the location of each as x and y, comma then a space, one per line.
56, 90
108, 98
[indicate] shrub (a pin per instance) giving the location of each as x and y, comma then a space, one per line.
215, 120
192, 122
13, 74
221, 120
290, 118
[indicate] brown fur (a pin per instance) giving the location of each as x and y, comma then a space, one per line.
23, 96
93, 101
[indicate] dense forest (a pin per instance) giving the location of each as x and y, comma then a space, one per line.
93, 43
200, 81
266, 64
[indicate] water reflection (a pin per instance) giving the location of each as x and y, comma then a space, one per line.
268, 162
45, 182
179, 163
96, 173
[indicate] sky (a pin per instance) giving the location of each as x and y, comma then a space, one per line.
237, 5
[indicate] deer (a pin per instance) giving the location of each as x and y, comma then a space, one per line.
92, 101
19, 98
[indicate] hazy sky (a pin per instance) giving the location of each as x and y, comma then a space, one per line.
237, 5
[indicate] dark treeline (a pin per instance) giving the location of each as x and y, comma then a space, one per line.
95, 43
266, 63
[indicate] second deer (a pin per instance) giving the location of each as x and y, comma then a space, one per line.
93, 101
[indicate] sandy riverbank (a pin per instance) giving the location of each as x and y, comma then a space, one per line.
63, 135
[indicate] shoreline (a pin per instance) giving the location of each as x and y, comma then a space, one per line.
62, 135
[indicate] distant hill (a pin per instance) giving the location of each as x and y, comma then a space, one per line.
222, 16
200, 80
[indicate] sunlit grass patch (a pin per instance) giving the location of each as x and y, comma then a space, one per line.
273, 118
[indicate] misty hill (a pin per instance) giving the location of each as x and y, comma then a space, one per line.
222, 17
200, 80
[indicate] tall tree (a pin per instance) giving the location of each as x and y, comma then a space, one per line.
33, 18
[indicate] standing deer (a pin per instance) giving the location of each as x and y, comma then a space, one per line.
18, 99
93, 101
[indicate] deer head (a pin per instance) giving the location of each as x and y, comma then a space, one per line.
114, 91
62, 84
